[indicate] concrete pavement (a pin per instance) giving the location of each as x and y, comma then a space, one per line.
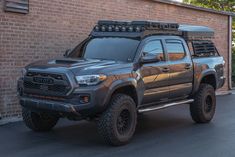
165, 133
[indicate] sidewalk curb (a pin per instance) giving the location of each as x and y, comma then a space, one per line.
5, 121
223, 93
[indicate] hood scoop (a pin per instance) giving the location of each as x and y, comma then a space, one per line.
64, 62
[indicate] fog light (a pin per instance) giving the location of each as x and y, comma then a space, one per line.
97, 28
137, 29
83, 99
117, 29
130, 29
123, 29
103, 28
110, 28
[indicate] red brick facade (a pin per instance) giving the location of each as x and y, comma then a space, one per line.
51, 27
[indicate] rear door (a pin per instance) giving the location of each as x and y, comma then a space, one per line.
181, 68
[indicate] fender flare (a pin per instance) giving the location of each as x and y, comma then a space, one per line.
203, 75
123, 83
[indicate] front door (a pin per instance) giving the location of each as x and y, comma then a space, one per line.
155, 75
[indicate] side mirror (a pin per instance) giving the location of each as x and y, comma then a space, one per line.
150, 59
67, 52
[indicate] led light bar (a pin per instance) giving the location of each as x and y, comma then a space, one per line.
133, 26
145, 28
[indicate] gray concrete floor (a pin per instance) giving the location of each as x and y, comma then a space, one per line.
165, 133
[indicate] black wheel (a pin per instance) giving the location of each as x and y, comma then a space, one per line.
39, 122
117, 124
203, 108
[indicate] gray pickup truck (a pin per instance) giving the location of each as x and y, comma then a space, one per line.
121, 70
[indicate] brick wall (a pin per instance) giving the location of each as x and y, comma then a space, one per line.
53, 26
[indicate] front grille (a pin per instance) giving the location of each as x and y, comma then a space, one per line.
54, 88
46, 84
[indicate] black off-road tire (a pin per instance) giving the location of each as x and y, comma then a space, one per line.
203, 108
39, 122
117, 124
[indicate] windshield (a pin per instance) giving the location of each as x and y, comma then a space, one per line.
111, 48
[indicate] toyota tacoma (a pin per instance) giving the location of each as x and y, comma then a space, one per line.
124, 69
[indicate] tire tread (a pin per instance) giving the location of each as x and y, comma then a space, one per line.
105, 124
196, 108
35, 124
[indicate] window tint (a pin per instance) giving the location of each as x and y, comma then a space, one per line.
175, 49
154, 48
110, 48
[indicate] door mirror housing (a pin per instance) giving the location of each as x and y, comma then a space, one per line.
150, 59
67, 52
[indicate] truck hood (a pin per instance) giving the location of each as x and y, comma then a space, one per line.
77, 66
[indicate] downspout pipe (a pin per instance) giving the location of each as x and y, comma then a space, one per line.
230, 52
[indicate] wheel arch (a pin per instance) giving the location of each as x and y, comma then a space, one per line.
128, 87
207, 77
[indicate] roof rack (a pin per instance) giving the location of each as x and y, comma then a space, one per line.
145, 28
191, 32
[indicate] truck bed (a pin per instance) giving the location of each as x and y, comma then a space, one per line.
213, 65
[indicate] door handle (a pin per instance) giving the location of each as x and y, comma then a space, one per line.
165, 69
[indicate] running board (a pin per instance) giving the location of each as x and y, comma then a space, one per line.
153, 108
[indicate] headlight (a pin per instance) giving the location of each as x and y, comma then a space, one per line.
90, 80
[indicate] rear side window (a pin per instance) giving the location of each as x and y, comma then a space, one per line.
204, 48
175, 50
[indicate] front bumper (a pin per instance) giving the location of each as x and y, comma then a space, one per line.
40, 97
68, 104
48, 105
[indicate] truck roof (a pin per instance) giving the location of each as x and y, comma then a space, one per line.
141, 29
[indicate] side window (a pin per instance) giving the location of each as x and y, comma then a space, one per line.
175, 49
154, 48
204, 48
